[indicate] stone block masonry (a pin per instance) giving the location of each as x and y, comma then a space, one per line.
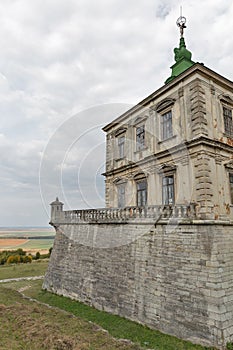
178, 281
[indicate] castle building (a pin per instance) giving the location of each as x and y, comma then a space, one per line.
175, 147
161, 252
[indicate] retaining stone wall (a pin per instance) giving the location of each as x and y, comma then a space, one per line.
179, 282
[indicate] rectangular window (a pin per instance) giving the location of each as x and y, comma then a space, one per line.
121, 195
140, 137
121, 146
166, 125
227, 115
168, 190
141, 193
231, 187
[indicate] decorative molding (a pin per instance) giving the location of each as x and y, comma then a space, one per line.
140, 176
198, 109
120, 131
181, 92
119, 181
226, 99
229, 165
212, 90
166, 168
139, 119
168, 102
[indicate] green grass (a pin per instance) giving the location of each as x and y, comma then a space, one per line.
25, 325
117, 326
36, 268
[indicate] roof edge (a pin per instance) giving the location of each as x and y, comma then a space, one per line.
193, 69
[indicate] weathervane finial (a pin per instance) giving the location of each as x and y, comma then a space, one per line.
181, 23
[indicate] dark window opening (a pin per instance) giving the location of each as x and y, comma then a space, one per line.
231, 187
227, 115
140, 137
141, 193
168, 190
166, 125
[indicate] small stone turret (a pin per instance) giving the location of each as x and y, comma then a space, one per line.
56, 211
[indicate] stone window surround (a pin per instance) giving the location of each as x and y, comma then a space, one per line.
139, 122
163, 123
121, 194
140, 178
163, 107
167, 186
140, 137
227, 120
121, 132
231, 186
168, 170
120, 182
226, 102
121, 146
229, 172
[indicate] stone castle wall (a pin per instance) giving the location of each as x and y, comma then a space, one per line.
178, 281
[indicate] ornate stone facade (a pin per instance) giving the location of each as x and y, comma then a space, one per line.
194, 153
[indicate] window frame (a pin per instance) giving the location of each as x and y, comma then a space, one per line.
167, 187
227, 120
119, 133
121, 186
226, 103
141, 136
163, 108
141, 193
166, 126
230, 176
121, 146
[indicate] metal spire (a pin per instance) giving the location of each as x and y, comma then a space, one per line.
181, 23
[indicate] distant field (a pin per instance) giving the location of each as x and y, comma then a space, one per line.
19, 233
29, 239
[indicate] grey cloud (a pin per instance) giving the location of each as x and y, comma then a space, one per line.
59, 58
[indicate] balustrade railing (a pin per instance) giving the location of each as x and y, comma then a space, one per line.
152, 213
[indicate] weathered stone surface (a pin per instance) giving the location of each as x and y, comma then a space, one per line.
178, 282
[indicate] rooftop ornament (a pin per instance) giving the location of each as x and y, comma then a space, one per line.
181, 24
182, 55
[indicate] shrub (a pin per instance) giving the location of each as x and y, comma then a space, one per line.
37, 256
20, 252
13, 259
27, 259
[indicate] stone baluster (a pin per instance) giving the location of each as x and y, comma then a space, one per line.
185, 211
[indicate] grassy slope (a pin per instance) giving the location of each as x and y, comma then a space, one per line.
36, 268
26, 325
116, 326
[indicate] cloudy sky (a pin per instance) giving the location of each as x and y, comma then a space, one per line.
69, 67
